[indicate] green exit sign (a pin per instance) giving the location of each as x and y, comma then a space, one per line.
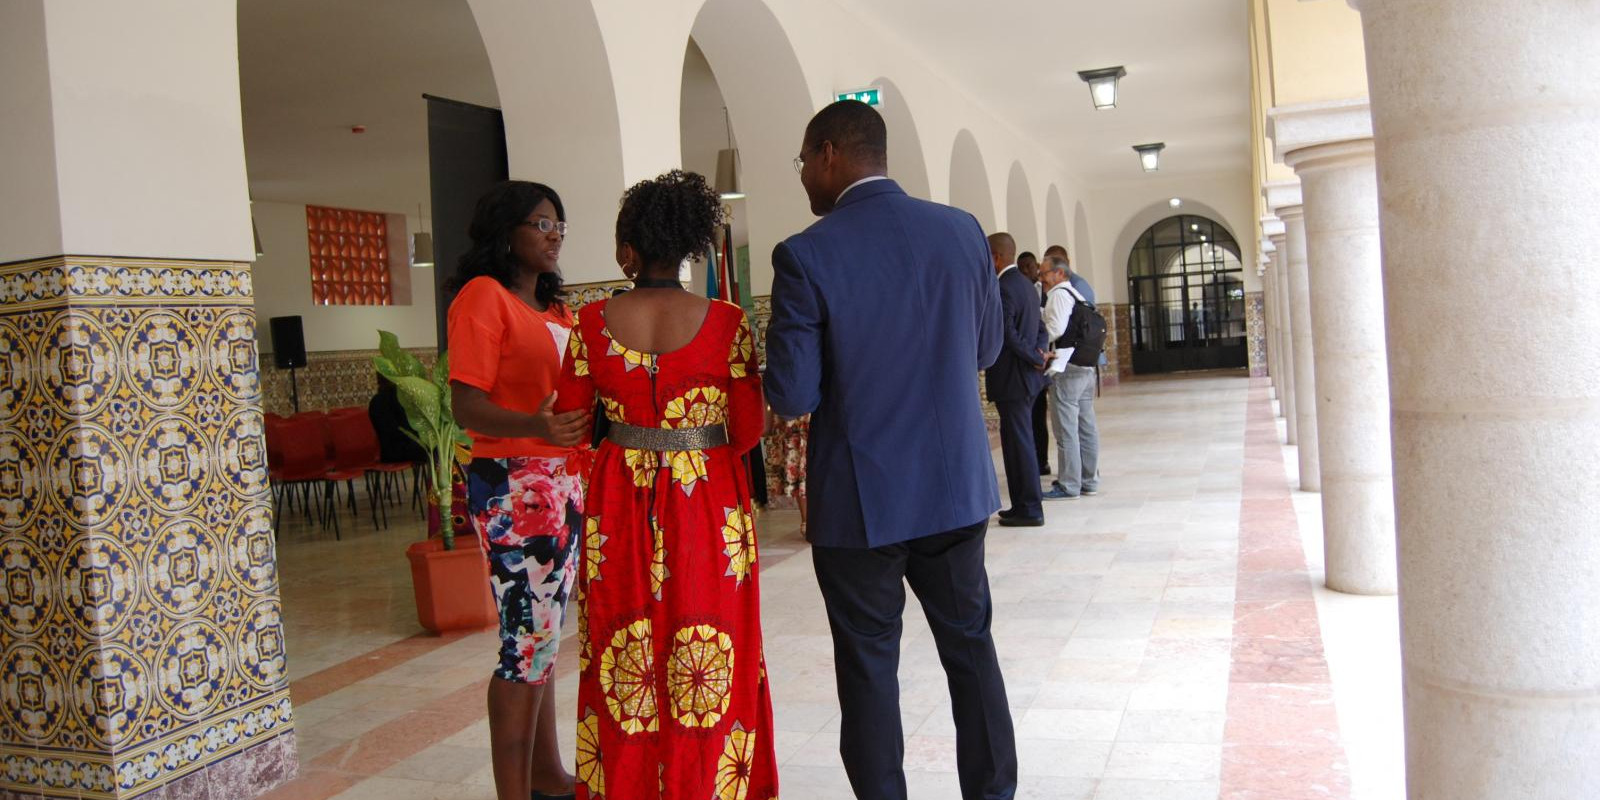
871, 97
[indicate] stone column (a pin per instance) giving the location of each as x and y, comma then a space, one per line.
1269, 302
1305, 377
1329, 146
1284, 199
1285, 338
1486, 115
141, 648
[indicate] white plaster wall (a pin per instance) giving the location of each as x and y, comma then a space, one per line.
1118, 214
30, 227
149, 144
827, 49
282, 281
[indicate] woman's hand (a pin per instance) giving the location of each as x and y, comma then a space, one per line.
562, 430
476, 412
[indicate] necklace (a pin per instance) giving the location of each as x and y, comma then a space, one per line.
657, 283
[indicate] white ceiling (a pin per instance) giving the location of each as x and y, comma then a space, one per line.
310, 69
1188, 78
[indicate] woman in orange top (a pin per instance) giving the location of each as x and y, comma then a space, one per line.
508, 331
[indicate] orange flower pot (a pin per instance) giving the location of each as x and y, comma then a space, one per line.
451, 586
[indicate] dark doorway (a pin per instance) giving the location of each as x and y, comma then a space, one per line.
466, 157
1186, 292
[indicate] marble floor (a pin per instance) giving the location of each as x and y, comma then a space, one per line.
1167, 639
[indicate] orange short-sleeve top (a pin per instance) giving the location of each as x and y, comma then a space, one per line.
513, 351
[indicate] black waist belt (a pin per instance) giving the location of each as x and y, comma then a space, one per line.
668, 439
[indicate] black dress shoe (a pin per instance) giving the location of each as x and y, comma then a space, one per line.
1044, 469
1007, 513
1021, 522
538, 795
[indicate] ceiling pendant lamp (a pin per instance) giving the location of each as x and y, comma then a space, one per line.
421, 244
1103, 86
1150, 155
727, 185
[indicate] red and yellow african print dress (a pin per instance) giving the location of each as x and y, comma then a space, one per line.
672, 692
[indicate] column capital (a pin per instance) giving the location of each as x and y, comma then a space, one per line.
1267, 246
1271, 226
1307, 125
1281, 193
1293, 214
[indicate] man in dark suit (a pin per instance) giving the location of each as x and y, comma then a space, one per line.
1028, 263
883, 312
1015, 382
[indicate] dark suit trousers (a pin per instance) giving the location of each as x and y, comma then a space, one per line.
1017, 454
1041, 429
864, 591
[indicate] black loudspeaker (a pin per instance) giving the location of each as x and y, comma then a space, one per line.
288, 343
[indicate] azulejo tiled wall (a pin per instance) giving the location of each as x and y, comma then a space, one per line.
140, 634
1255, 332
330, 379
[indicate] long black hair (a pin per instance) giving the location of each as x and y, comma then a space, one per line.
669, 218
500, 210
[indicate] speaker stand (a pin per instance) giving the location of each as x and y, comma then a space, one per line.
294, 390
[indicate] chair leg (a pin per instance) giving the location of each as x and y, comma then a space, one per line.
372, 498
333, 508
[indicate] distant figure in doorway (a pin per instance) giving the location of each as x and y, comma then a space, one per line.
508, 329
1015, 382
1028, 264
672, 684
794, 434
899, 474
1072, 390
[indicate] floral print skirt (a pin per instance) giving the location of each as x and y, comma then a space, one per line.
528, 513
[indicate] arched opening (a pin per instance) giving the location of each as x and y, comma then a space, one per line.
908, 165
1186, 297
969, 181
561, 119
1055, 220
1082, 248
757, 73
1022, 220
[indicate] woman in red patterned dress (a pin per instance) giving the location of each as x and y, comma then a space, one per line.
672, 691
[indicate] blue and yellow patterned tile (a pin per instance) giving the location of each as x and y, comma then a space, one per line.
143, 630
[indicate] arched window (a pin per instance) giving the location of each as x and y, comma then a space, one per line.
1186, 292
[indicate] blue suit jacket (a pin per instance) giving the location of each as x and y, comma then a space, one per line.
1015, 374
883, 312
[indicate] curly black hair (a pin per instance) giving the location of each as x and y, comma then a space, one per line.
669, 218
498, 213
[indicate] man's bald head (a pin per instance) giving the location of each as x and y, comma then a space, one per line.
1004, 250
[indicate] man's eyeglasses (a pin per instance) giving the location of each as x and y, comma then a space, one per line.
546, 225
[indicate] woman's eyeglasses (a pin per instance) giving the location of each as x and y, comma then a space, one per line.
546, 225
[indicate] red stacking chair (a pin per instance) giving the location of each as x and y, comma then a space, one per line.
304, 466
352, 450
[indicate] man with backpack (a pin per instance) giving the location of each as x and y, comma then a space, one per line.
1072, 321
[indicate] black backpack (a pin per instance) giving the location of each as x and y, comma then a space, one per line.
1086, 332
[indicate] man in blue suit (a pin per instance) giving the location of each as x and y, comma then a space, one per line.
1015, 382
883, 312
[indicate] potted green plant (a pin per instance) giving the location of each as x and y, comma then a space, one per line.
451, 583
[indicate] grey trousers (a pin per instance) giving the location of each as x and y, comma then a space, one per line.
1077, 437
